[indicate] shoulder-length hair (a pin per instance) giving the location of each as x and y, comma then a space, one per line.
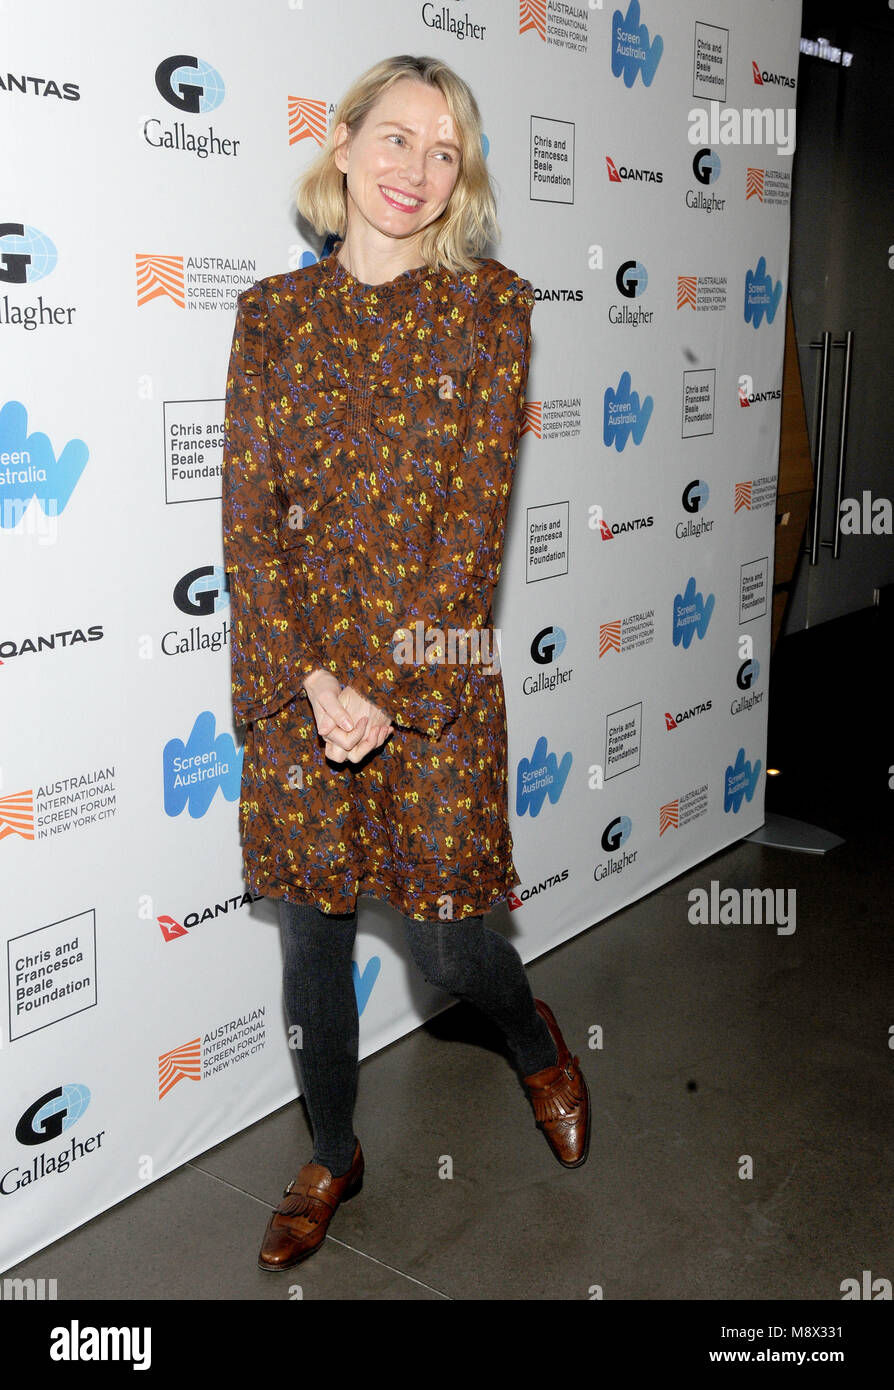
469, 221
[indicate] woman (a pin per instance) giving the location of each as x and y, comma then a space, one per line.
374, 405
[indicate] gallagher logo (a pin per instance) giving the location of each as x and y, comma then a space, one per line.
631, 279
202, 591
625, 173
625, 415
614, 837
194, 770
746, 678
672, 721
695, 495
53, 1113
706, 165
761, 295
633, 52
692, 614
694, 499
548, 645
26, 254
539, 777
739, 780
762, 78
189, 84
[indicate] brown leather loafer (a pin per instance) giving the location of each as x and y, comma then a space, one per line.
561, 1099
298, 1226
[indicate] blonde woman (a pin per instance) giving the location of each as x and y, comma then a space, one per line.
374, 405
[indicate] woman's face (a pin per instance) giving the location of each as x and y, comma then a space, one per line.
403, 162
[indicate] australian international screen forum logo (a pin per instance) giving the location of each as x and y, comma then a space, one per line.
562, 26
217, 1049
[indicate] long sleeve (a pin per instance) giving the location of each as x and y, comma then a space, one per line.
271, 651
457, 588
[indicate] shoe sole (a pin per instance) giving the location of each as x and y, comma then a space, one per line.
306, 1254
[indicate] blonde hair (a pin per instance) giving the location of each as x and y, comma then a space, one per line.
469, 220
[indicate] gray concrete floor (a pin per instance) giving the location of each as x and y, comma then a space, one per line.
719, 1042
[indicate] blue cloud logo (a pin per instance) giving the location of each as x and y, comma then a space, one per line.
739, 781
32, 469
761, 295
194, 770
692, 613
26, 254
363, 983
539, 777
632, 51
624, 414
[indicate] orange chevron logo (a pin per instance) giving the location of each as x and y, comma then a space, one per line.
669, 817
160, 275
687, 286
754, 184
307, 120
532, 15
181, 1062
610, 637
532, 419
17, 815
743, 497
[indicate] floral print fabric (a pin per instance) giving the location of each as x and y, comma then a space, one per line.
370, 446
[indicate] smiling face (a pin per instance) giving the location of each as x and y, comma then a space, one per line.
402, 164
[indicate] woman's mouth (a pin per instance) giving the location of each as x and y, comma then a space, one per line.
403, 201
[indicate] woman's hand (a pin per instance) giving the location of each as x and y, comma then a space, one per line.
350, 724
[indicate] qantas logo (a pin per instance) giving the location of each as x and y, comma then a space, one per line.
770, 79
622, 173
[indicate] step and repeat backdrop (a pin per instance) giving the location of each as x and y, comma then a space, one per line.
642, 158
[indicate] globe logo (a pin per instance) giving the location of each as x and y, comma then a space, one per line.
52, 1113
25, 254
190, 84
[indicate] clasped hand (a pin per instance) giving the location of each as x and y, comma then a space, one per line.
351, 725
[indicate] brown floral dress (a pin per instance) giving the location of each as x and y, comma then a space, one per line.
369, 455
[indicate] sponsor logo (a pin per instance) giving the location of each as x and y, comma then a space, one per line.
702, 293
559, 418
221, 1047
194, 770
548, 528
698, 402
626, 634
193, 282
546, 647
634, 53
673, 721
746, 679
192, 86
740, 781
518, 899
625, 416
763, 78
563, 25
49, 642
692, 614
683, 809
39, 87
171, 929
552, 160
46, 1119
754, 494
614, 837
762, 296
30, 468
447, 22
626, 173
539, 777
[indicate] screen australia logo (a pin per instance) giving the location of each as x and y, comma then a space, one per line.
539, 777
634, 53
625, 415
194, 770
692, 614
762, 295
30, 468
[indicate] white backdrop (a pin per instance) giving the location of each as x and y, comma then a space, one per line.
150, 157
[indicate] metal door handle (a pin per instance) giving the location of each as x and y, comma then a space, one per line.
825, 346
